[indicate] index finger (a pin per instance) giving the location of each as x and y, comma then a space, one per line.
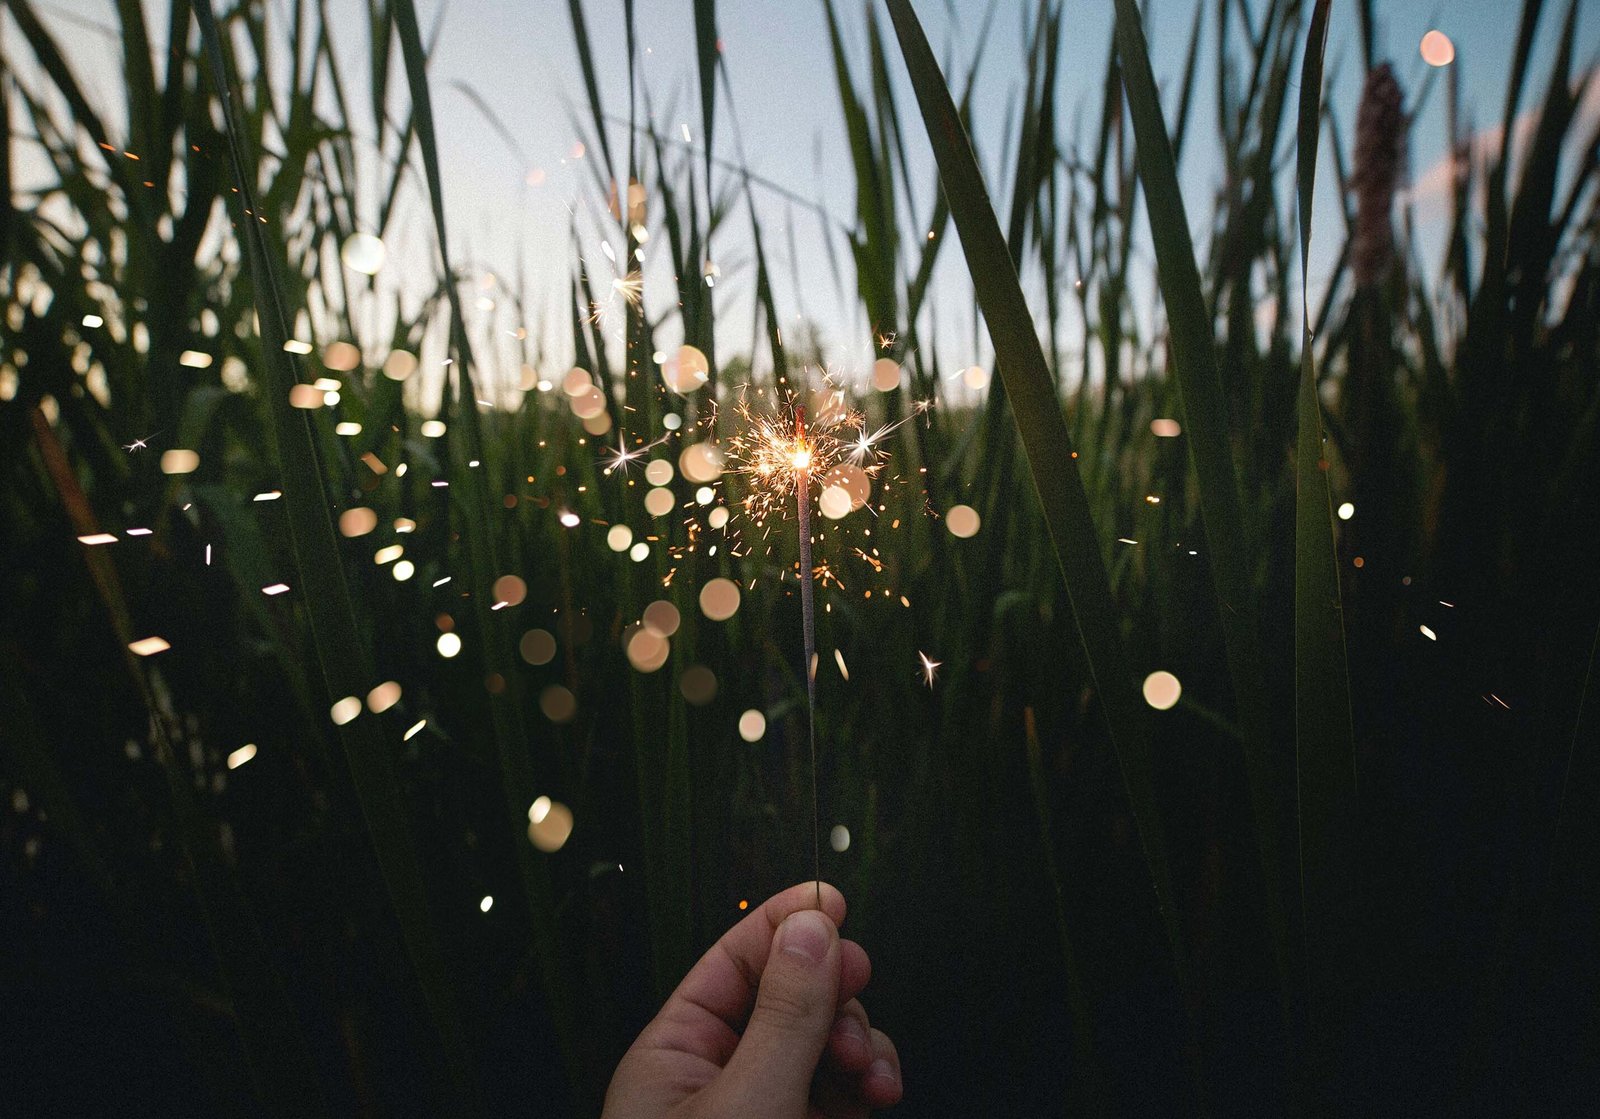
724, 981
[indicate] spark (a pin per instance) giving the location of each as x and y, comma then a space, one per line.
621, 457
630, 288
782, 449
930, 667
140, 444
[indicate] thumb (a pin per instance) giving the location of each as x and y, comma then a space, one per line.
770, 1072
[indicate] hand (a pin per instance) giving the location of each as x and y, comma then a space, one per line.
805, 1050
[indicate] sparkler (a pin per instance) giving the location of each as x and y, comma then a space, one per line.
800, 458
783, 457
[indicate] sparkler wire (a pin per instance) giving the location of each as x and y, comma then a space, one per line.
808, 616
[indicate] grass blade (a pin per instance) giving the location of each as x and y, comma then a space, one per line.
344, 659
1324, 746
1044, 436
1203, 406
472, 497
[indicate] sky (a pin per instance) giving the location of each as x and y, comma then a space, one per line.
519, 58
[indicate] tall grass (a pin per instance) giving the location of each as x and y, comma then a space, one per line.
1207, 917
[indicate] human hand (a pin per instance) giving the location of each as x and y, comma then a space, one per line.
766, 1024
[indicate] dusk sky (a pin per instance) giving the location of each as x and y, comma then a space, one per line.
521, 60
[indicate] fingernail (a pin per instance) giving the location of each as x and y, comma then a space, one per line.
806, 934
850, 1028
882, 1070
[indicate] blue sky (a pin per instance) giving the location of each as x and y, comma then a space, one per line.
519, 57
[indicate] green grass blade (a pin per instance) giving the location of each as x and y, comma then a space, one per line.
345, 662
1043, 432
1324, 745
707, 55
471, 498
591, 85
1203, 407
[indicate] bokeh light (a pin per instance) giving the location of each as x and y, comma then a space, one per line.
662, 618
686, 370
178, 461
341, 357
358, 521
719, 599
646, 651
1437, 49
551, 831
538, 646
558, 704
383, 697
659, 502
399, 365
306, 396
1161, 690
362, 252
701, 463
962, 521
510, 589
752, 726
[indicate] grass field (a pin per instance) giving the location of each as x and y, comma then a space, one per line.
432, 830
